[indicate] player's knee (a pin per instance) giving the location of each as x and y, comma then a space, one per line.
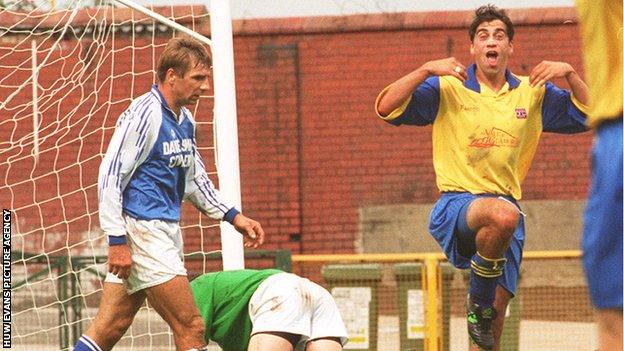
505, 220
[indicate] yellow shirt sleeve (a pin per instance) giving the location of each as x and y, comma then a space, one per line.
600, 23
396, 112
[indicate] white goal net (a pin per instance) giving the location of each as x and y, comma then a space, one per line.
65, 76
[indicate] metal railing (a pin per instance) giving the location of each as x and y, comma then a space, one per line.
69, 272
71, 294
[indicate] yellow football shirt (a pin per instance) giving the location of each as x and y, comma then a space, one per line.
483, 141
601, 31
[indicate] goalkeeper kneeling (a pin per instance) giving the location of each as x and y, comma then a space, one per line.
268, 309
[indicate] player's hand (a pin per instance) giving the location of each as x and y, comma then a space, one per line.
446, 67
119, 260
547, 70
252, 231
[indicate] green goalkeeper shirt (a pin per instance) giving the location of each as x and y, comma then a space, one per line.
223, 299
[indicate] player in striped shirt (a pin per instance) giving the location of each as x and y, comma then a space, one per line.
150, 166
486, 126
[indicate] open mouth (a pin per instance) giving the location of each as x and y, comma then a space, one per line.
492, 57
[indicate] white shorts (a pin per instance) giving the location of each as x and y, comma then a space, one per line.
285, 302
157, 250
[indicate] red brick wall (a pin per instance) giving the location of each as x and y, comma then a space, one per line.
312, 151
347, 157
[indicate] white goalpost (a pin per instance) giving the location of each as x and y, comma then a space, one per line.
226, 127
65, 76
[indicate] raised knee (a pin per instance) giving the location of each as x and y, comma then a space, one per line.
506, 219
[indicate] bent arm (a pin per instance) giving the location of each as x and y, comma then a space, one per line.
562, 112
414, 98
399, 91
578, 87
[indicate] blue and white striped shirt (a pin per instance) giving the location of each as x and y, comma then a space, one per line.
151, 165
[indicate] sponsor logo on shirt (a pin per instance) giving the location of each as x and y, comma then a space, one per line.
521, 113
179, 151
463, 107
494, 137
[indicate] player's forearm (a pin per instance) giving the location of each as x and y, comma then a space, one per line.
201, 192
109, 198
208, 201
400, 90
111, 219
578, 87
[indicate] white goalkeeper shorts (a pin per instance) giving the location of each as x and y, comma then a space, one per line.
157, 250
285, 302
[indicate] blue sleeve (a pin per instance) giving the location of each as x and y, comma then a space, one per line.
559, 113
423, 106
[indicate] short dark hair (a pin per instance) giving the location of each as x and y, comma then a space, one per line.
180, 54
488, 13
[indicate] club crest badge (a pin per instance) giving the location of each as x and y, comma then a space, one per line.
521, 113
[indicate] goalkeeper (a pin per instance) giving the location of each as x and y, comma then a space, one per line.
266, 310
151, 164
486, 127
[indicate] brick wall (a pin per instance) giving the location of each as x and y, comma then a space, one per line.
305, 94
312, 151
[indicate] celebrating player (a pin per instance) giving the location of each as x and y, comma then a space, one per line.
601, 31
151, 164
486, 125
267, 310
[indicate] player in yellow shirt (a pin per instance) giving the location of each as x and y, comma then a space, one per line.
486, 125
601, 31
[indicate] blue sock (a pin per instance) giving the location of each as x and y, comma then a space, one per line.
483, 279
85, 343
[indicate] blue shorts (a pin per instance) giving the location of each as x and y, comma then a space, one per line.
602, 232
443, 224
